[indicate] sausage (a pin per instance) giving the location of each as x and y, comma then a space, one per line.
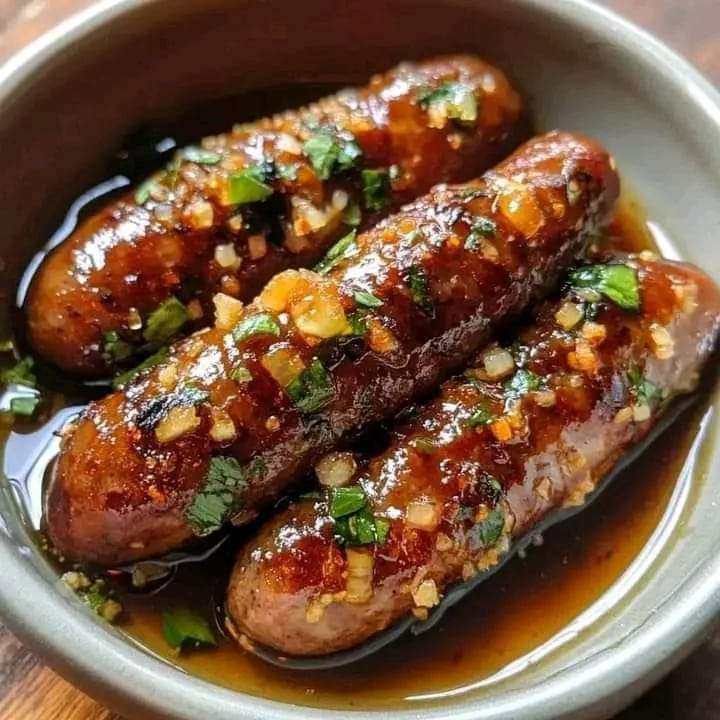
239, 412
528, 429
267, 196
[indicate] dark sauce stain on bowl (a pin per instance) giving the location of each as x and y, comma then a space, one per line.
508, 616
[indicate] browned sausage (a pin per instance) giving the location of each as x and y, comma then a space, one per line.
241, 410
265, 197
529, 429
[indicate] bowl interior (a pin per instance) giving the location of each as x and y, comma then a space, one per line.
67, 109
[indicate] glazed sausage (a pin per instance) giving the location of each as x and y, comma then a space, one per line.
530, 428
240, 411
267, 196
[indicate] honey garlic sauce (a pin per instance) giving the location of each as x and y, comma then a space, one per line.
509, 615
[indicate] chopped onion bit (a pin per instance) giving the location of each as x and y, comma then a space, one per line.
177, 422
359, 579
498, 363
423, 515
336, 469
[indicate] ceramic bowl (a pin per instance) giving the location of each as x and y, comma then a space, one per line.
68, 99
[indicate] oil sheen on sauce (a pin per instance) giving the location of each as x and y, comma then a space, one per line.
508, 616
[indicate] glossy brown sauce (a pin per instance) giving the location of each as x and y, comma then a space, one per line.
510, 614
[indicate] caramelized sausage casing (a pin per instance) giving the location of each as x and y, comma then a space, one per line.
238, 412
530, 428
267, 196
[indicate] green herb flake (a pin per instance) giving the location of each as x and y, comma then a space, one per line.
352, 215
618, 283
419, 287
156, 359
485, 534
521, 383
7, 346
142, 193
117, 348
382, 528
20, 374
312, 389
357, 322
330, 154
342, 249
248, 186
25, 406
376, 189
645, 391
199, 155
221, 494
482, 415
355, 523
259, 324
367, 299
346, 500
241, 374
361, 528
287, 171
165, 321
184, 628
454, 100
483, 227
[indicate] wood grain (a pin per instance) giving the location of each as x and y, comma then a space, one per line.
31, 691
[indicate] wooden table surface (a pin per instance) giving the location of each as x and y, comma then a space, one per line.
31, 691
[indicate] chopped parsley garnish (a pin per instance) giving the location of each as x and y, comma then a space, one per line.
199, 155
482, 415
24, 405
419, 287
361, 528
346, 500
492, 487
259, 324
618, 283
248, 186
7, 346
184, 628
483, 227
124, 378
241, 374
287, 171
454, 100
221, 494
521, 383
20, 374
159, 407
644, 391
486, 533
337, 253
358, 324
165, 321
354, 522
142, 193
312, 389
367, 299
330, 154
376, 189
117, 348
352, 215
